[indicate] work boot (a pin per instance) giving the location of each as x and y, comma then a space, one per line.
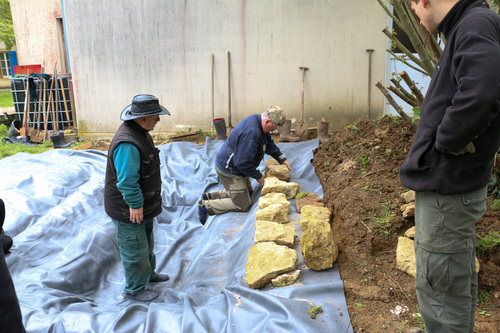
63, 140
14, 128
142, 296
323, 131
285, 135
160, 278
220, 128
58, 143
14, 136
202, 212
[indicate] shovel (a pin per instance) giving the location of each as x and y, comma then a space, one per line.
301, 128
36, 132
25, 130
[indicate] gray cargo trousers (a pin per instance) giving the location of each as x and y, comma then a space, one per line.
235, 197
445, 250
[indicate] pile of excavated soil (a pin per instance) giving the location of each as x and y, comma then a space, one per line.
359, 171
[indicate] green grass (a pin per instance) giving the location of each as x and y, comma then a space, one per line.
495, 205
484, 297
486, 241
353, 128
9, 149
314, 310
381, 216
6, 99
417, 320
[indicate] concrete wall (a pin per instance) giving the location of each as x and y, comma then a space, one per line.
119, 48
35, 30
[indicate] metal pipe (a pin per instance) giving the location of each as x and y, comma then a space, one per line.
370, 51
229, 124
213, 108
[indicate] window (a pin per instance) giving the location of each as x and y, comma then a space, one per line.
5, 64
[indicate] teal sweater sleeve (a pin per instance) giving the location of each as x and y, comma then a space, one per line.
128, 164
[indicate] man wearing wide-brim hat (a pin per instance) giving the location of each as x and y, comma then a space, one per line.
132, 194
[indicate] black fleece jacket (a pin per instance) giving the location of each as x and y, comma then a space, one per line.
461, 106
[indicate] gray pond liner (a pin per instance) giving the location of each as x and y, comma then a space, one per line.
69, 277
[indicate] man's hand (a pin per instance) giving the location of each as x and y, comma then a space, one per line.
261, 180
470, 148
288, 165
136, 215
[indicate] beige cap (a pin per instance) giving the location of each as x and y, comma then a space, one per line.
276, 115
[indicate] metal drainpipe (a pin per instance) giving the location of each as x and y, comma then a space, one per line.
370, 51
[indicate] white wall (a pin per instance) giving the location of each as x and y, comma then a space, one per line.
35, 30
119, 48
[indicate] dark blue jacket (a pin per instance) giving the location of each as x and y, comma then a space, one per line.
245, 147
461, 106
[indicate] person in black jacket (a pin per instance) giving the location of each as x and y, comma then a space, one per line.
132, 194
237, 161
449, 163
10, 312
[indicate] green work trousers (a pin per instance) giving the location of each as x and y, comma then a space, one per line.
136, 243
235, 197
445, 250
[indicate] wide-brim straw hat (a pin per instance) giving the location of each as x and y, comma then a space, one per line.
143, 105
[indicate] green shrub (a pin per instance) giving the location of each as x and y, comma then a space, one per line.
495, 205
486, 241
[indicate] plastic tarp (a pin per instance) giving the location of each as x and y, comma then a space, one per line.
69, 277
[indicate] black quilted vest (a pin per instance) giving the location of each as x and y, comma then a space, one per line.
150, 178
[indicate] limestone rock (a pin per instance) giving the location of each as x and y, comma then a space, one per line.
274, 185
279, 171
410, 233
273, 232
274, 213
310, 199
312, 213
318, 246
273, 198
379, 132
271, 161
265, 261
405, 256
408, 210
408, 196
286, 279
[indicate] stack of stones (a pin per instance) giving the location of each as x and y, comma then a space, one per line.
272, 258
405, 252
